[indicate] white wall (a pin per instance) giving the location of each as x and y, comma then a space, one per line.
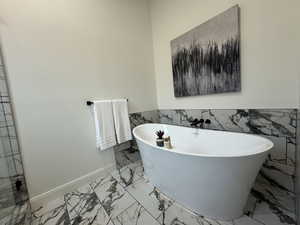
270, 51
60, 54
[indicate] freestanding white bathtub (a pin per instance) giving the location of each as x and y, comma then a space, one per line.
209, 172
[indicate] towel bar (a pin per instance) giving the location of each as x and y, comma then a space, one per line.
91, 102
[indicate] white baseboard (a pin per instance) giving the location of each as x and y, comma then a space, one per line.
42, 199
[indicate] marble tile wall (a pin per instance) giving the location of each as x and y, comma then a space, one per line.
14, 204
144, 117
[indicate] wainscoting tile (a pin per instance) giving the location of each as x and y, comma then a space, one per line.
167, 116
273, 122
279, 174
229, 120
149, 197
179, 117
279, 152
112, 196
143, 117
291, 151
135, 214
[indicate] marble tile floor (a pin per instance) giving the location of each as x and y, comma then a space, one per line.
18, 215
125, 197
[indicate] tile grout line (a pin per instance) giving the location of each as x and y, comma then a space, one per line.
100, 203
140, 178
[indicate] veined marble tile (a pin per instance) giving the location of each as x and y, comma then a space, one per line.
273, 122
284, 151
266, 215
180, 117
135, 215
49, 206
143, 117
126, 157
149, 197
279, 175
273, 195
132, 154
57, 216
129, 174
166, 116
291, 152
112, 195
176, 214
268, 205
121, 159
151, 116
229, 119
279, 152
184, 117
84, 208
223, 119
245, 220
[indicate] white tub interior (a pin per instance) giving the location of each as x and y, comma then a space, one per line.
205, 142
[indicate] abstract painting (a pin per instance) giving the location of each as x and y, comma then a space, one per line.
206, 59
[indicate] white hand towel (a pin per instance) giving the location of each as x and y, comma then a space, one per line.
104, 124
122, 124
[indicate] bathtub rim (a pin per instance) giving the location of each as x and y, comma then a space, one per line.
261, 149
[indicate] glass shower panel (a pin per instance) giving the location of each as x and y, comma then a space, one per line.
7, 200
14, 199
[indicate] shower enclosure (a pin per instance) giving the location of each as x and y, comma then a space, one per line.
14, 200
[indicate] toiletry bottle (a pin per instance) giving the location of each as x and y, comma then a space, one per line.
167, 142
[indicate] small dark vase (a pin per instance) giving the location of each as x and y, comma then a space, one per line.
160, 142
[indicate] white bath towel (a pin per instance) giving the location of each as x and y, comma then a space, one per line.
121, 118
104, 124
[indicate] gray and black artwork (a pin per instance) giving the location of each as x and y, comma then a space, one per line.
206, 59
